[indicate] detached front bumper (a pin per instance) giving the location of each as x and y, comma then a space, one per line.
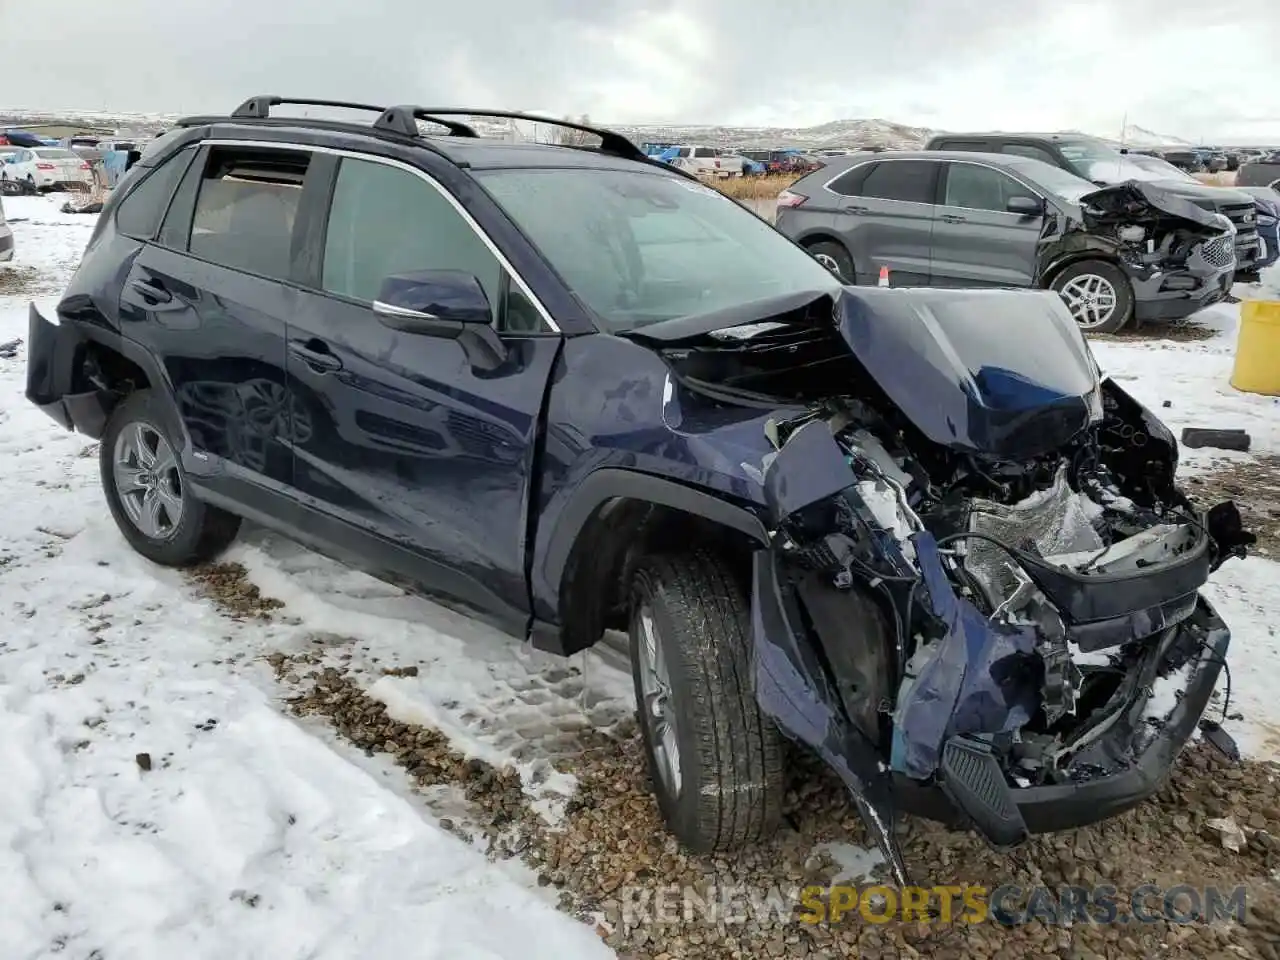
1141, 750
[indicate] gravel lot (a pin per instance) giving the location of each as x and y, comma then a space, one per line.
610, 846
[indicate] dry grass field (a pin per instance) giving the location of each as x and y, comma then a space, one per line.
755, 188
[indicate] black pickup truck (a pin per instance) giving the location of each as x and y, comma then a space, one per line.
1099, 162
1260, 173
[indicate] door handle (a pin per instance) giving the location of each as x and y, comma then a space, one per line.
954, 218
151, 292
855, 210
316, 354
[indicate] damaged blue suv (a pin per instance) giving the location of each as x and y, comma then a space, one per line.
571, 389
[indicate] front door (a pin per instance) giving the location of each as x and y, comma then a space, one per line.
407, 453
977, 242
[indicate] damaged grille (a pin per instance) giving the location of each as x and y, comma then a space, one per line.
1218, 252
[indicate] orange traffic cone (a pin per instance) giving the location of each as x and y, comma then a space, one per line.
884, 277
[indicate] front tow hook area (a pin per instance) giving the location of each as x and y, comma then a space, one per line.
973, 781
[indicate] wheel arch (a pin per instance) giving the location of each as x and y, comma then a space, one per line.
1055, 268
617, 517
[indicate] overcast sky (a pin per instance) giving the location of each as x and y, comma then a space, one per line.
1187, 68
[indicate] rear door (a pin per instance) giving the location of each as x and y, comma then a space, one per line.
210, 298
407, 453
976, 241
886, 219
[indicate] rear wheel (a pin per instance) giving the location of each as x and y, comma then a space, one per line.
1097, 293
835, 258
716, 761
147, 489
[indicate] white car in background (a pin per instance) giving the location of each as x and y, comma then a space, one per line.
707, 161
46, 167
6, 236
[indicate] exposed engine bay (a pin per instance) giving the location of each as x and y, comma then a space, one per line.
982, 566
1154, 229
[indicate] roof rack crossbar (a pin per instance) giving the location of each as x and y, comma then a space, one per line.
611, 143
259, 108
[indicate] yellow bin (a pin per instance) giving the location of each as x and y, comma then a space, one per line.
1257, 366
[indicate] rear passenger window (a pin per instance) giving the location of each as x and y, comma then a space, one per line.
849, 183
246, 207
142, 210
386, 221
1032, 151
912, 181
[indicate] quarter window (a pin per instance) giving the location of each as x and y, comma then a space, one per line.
912, 181
142, 210
386, 221
246, 207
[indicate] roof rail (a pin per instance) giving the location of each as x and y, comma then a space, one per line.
402, 121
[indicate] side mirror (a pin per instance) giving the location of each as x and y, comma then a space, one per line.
432, 302
1025, 206
450, 304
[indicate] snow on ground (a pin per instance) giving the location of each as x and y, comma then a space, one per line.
250, 835
253, 835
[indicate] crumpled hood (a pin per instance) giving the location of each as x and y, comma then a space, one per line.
1127, 200
998, 372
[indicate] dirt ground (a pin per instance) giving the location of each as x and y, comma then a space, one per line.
610, 852
1254, 485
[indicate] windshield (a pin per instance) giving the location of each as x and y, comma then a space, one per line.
1054, 180
55, 154
1099, 163
640, 248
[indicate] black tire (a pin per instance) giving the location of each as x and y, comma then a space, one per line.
1122, 311
837, 255
731, 756
203, 531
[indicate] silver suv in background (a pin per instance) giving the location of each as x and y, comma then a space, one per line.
963, 219
6, 236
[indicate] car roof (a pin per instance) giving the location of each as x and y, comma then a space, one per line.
857, 159
1000, 135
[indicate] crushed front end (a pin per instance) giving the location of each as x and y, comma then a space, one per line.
1179, 257
981, 600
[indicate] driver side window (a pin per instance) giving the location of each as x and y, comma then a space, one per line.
385, 221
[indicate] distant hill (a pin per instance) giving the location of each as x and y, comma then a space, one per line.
834, 135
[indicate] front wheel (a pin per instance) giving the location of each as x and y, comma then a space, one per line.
1097, 293
835, 258
148, 493
716, 761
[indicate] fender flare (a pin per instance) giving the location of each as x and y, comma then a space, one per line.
611, 483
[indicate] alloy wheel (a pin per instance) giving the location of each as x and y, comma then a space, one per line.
658, 704
148, 481
1091, 299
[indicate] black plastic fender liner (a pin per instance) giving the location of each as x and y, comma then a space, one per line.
794, 688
